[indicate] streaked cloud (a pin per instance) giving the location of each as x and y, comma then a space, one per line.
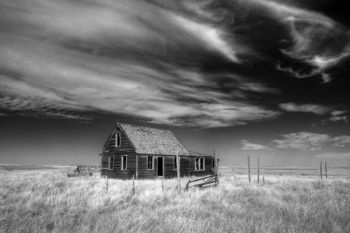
316, 39
303, 141
116, 57
246, 145
307, 141
176, 63
312, 108
210, 36
338, 116
341, 141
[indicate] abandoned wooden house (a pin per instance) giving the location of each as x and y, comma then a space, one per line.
147, 152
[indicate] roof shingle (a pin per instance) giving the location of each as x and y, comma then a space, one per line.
148, 140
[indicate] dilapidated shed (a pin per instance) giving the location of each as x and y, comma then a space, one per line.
148, 152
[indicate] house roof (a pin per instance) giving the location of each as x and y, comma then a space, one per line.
149, 140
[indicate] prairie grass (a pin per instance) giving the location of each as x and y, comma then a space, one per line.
48, 201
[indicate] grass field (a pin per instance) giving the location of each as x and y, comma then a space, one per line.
47, 201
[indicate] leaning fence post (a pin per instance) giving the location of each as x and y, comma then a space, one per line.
249, 168
325, 169
321, 169
133, 184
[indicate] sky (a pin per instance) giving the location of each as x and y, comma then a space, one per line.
264, 78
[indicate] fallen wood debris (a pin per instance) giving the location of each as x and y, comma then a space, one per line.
84, 170
204, 182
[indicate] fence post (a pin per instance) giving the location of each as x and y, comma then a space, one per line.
106, 184
321, 170
133, 184
163, 184
258, 170
137, 167
249, 168
215, 164
325, 169
216, 169
178, 172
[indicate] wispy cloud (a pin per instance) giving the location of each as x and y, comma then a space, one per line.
303, 141
153, 60
117, 57
341, 141
307, 141
311, 34
312, 108
339, 116
246, 145
212, 37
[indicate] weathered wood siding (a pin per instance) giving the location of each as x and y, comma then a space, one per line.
144, 172
187, 163
125, 148
187, 167
117, 172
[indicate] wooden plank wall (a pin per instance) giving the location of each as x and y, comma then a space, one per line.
126, 146
186, 163
144, 172
116, 172
110, 149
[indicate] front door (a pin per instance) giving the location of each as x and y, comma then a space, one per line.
160, 166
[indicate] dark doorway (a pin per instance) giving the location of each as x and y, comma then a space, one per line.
160, 166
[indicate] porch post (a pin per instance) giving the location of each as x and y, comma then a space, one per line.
178, 172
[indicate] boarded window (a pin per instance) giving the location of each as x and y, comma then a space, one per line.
111, 162
124, 162
118, 139
199, 164
150, 162
175, 163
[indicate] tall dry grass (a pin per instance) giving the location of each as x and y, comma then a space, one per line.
48, 201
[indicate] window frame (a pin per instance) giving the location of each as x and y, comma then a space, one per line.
152, 159
122, 162
118, 139
201, 162
111, 161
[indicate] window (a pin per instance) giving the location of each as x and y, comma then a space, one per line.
124, 162
199, 164
118, 139
110, 162
150, 162
175, 163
